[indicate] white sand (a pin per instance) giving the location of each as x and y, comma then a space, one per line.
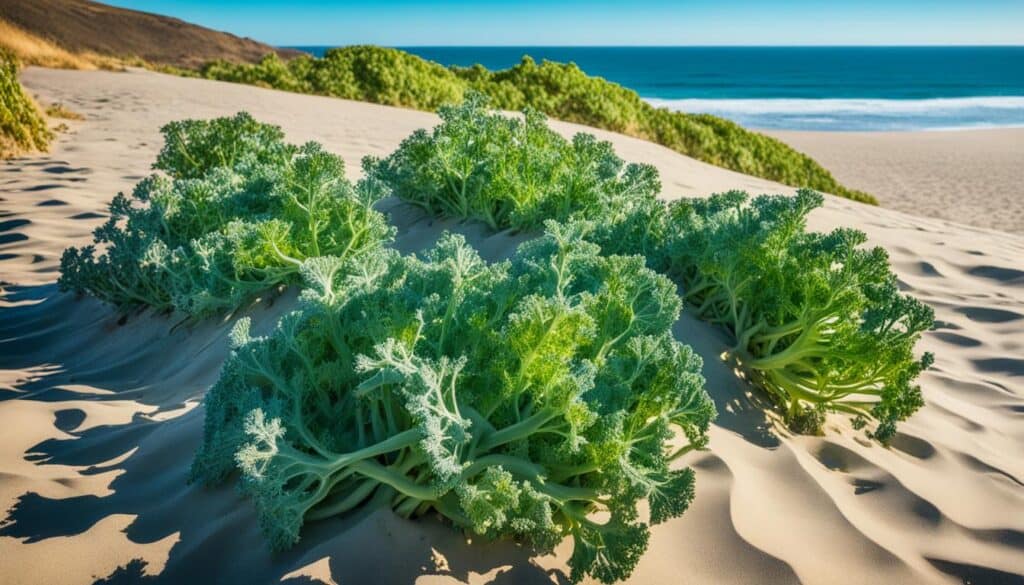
99, 421
968, 176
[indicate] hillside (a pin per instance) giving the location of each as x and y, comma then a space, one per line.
81, 26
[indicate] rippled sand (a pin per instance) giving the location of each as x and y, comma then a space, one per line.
100, 416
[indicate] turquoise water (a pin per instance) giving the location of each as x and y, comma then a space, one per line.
807, 88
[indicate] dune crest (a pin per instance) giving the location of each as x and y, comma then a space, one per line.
100, 415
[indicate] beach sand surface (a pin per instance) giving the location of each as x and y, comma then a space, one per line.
967, 176
100, 415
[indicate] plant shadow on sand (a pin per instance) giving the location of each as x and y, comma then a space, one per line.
76, 352
154, 369
739, 410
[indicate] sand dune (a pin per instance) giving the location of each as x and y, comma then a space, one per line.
100, 416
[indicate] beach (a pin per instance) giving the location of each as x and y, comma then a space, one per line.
967, 176
100, 415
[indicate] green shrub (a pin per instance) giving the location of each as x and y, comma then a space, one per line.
364, 73
533, 399
235, 214
562, 91
507, 171
22, 126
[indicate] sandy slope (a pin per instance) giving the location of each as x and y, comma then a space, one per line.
99, 418
968, 176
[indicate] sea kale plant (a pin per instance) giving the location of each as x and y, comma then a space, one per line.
540, 398
819, 321
508, 171
234, 214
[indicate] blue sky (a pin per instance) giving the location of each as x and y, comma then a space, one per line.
600, 22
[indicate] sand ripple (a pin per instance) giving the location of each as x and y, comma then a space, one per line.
100, 415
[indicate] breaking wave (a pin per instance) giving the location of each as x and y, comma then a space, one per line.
860, 114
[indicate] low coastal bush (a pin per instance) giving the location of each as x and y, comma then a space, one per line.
562, 91
535, 398
234, 214
819, 322
508, 171
22, 126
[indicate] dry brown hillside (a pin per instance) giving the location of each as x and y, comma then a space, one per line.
81, 26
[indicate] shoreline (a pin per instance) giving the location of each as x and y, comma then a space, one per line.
950, 129
970, 176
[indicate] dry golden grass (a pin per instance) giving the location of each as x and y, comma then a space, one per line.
62, 111
34, 50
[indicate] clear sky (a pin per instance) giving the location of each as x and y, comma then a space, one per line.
601, 22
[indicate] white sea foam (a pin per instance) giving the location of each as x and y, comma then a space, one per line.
860, 114
839, 106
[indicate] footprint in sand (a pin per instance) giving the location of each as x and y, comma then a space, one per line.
913, 446
6, 226
838, 458
956, 339
63, 169
1008, 276
989, 315
11, 238
1009, 366
88, 215
921, 268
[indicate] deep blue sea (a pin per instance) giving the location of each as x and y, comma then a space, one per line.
805, 88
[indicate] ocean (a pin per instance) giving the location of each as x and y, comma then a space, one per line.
799, 88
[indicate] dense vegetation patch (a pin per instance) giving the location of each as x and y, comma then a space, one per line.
819, 322
540, 398
22, 126
508, 171
234, 214
516, 399
562, 91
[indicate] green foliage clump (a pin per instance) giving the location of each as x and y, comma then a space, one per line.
565, 92
535, 398
560, 90
508, 171
819, 321
235, 214
22, 126
365, 73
